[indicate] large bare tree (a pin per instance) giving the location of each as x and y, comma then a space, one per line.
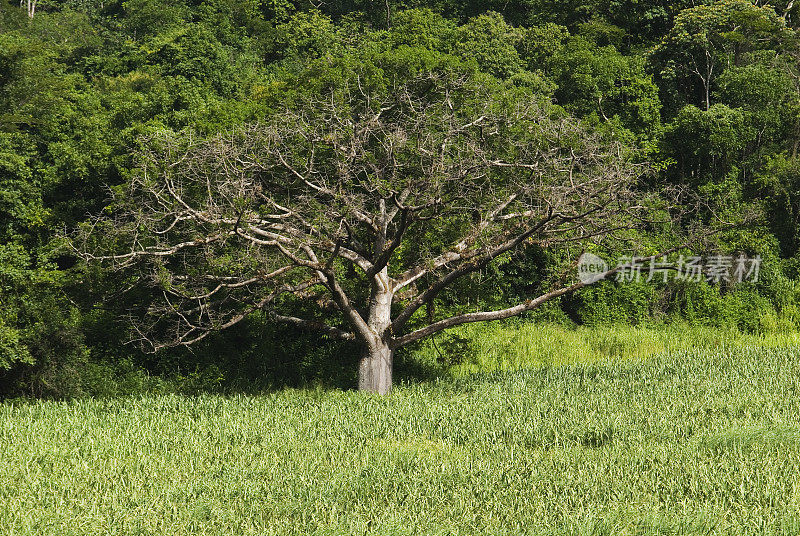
365, 202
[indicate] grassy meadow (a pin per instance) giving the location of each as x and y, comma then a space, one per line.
649, 436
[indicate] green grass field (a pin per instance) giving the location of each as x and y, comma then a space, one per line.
703, 441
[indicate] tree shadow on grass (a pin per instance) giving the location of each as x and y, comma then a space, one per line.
253, 357
256, 357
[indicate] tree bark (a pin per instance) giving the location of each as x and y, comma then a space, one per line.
375, 369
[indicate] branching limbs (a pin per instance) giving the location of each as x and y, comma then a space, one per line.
365, 207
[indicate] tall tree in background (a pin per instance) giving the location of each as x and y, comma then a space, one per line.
708, 39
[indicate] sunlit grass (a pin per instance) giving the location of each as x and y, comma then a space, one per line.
691, 442
479, 348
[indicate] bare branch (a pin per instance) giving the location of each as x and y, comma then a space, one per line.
485, 316
314, 326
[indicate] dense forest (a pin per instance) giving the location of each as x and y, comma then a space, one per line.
707, 94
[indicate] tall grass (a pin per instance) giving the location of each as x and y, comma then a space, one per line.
477, 348
691, 442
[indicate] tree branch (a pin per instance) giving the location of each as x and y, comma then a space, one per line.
482, 316
314, 326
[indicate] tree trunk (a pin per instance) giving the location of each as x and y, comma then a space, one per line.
375, 369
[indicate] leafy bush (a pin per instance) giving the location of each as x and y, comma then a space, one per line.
607, 303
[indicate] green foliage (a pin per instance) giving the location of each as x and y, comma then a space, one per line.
743, 308
602, 82
779, 186
707, 39
307, 35
12, 349
144, 18
526, 345
258, 356
601, 32
193, 52
767, 96
41, 346
424, 29
606, 303
707, 143
492, 43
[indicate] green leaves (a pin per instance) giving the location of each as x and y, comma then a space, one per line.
491, 43
149, 17
708, 39
23, 291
